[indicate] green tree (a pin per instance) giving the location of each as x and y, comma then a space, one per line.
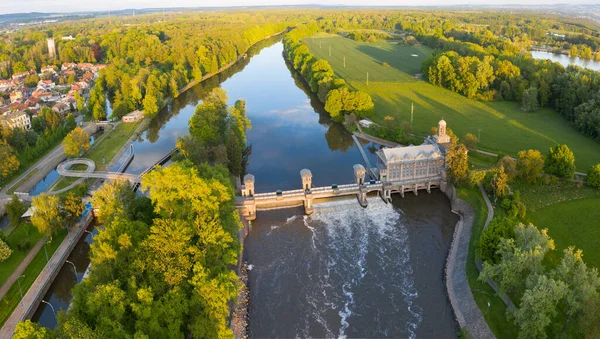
561, 162
209, 121
519, 257
15, 210
498, 180
530, 100
499, 228
538, 306
583, 284
593, 178
530, 165
76, 142
47, 216
73, 207
111, 199
80, 101
470, 141
10, 163
476, 177
5, 251
510, 166
457, 162
19, 67
30, 330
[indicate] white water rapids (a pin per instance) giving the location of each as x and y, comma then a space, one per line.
344, 271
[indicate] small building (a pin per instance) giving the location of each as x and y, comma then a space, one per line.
61, 108
16, 96
68, 66
48, 69
16, 119
366, 123
133, 116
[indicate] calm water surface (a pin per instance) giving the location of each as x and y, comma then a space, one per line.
60, 293
345, 270
566, 60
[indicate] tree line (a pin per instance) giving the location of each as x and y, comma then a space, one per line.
339, 99
498, 70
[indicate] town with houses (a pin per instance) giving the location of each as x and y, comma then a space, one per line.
21, 100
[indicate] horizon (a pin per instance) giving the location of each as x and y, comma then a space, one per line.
15, 7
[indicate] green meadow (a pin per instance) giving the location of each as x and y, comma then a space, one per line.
502, 125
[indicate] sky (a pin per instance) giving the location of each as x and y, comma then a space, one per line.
21, 6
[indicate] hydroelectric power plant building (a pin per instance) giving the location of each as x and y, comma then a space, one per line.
399, 170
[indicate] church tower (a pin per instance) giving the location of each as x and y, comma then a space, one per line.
442, 137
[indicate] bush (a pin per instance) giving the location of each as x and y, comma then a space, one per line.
593, 178
476, 177
561, 162
500, 227
385, 64
470, 141
5, 251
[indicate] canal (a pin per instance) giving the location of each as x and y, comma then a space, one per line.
345, 270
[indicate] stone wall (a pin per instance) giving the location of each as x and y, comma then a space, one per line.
465, 309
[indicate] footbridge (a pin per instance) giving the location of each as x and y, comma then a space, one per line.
249, 203
89, 172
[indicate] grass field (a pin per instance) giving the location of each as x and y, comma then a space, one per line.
570, 213
504, 127
13, 297
110, 145
23, 233
572, 223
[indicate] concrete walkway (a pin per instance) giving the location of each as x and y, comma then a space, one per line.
36, 292
463, 303
21, 268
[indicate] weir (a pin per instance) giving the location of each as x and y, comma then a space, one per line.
250, 202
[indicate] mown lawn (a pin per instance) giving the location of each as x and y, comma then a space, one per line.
110, 145
24, 233
13, 297
504, 127
495, 313
570, 213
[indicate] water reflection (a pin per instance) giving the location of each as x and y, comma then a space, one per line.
60, 293
291, 130
566, 60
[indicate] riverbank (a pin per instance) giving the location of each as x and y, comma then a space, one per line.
465, 308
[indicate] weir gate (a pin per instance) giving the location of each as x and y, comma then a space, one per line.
249, 203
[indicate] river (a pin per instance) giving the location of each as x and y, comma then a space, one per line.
566, 60
345, 270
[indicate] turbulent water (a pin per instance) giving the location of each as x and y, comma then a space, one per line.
344, 271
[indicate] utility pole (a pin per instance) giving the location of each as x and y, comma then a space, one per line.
412, 109
367, 79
